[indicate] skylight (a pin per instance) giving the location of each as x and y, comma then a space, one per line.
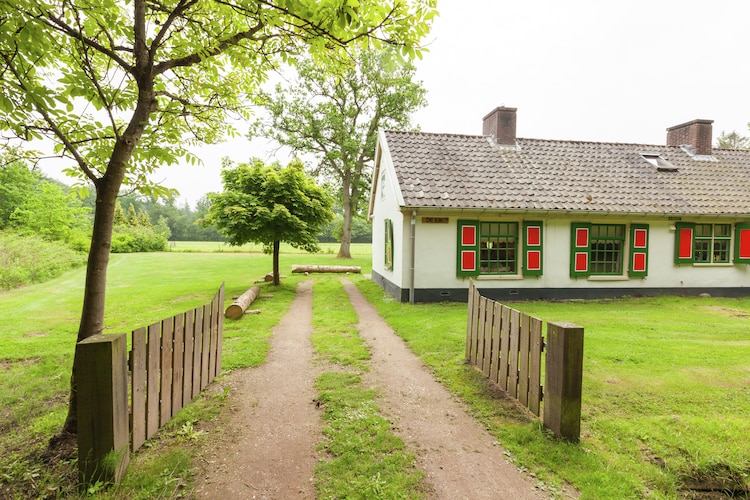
660, 163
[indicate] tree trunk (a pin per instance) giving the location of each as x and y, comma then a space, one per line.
346, 233
107, 189
325, 269
92, 312
238, 307
276, 274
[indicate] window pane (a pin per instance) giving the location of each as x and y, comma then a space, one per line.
721, 250
607, 243
702, 250
703, 230
498, 246
722, 230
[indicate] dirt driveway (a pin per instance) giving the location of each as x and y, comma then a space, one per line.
267, 448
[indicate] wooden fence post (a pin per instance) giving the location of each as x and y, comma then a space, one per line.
102, 384
564, 374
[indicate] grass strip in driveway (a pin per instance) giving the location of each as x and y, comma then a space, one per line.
363, 458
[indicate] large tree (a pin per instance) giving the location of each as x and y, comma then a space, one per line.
122, 87
335, 117
268, 204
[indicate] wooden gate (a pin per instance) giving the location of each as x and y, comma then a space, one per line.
507, 346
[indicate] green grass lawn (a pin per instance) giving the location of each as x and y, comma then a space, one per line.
666, 393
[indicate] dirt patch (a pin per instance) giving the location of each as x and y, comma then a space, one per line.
267, 445
7, 364
728, 311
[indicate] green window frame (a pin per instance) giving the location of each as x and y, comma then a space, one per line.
498, 248
597, 249
388, 259
711, 243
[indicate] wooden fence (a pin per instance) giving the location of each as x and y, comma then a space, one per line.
170, 363
507, 346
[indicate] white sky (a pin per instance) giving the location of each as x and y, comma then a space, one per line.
585, 70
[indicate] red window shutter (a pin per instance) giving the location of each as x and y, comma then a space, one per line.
532, 248
638, 251
742, 243
579, 249
467, 260
684, 243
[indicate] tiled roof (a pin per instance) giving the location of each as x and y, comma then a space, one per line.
472, 172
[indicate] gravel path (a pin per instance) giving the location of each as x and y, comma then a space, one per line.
267, 449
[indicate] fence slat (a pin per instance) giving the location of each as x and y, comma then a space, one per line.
487, 332
153, 379
220, 319
504, 349
535, 366
214, 338
480, 332
497, 321
187, 376
515, 328
206, 345
197, 351
138, 359
167, 338
178, 362
523, 361
470, 321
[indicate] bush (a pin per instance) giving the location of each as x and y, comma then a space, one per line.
129, 239
32, 259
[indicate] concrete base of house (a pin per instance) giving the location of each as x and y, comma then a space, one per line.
511, 294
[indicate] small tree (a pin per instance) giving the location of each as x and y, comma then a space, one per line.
732, 140
269, 204
336, 119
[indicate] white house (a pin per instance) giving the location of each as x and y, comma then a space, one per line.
531, 218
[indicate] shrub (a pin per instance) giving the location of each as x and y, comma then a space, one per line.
128, 239
26, 259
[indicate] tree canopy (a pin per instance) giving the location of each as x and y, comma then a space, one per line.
269, 204
732, 140
336, 116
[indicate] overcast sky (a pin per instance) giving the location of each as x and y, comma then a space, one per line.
584, 70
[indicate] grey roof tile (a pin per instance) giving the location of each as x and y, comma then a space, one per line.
471, 172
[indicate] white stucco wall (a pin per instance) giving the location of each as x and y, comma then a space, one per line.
435, 263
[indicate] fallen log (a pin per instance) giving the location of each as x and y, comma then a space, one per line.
325, 269
237, 308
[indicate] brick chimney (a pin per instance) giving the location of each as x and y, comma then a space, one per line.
696, 134
500, 123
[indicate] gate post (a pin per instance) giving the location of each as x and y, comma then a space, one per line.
102, 388
563, 380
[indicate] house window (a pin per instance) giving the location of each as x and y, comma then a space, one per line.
711, 243
607, 244
600, 250
388, 245
498, 248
